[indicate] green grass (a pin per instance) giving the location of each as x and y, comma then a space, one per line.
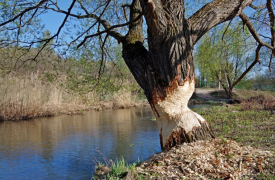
119, 168
254, 128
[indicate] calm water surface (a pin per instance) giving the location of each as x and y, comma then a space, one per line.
66, 147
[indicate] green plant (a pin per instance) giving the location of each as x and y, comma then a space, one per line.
131, 145
230, 155
153, 119
119, 168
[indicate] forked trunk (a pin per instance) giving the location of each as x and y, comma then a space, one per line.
166, 71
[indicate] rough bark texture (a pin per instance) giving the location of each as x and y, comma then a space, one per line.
181, 136
166, 70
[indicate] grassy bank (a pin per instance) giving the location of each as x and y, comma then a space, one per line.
52, 84
248, 127
31, 96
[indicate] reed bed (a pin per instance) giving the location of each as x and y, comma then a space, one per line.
29, 97
26, 97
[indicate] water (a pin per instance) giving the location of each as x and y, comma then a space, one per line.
66, 147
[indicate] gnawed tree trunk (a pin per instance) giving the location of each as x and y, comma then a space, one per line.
166, 70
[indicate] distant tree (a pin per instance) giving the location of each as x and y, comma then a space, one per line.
224, 55
46, 35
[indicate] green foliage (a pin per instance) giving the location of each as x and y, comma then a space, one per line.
46, 35
223, 54
223, 50
245, 84
86, 73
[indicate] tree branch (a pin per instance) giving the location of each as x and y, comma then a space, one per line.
99, 18
23, 12
251, 29
213, 14
257, 59
59, 30
257, 7
108, 29
64, 21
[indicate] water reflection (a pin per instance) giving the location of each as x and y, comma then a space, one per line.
64, 147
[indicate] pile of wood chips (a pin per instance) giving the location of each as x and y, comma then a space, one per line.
213, 159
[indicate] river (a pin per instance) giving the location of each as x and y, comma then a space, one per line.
67, 147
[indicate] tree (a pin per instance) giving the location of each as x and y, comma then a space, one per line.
46, 34
164, 70
229, 48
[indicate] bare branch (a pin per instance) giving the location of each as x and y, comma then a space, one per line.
23, 12
257, 7
252, 30
82, 7
59, 30
213, 14
108, 29
64, 21
124, 10
226, 29
257, 60
102, 56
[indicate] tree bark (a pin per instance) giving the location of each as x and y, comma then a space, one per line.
166, 70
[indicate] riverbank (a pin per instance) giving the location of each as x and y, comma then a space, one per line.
13, 114
245, 149
29, 97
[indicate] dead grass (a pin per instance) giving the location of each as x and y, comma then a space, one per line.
244, 94
260, 102
30, 97
248, 94
27, 97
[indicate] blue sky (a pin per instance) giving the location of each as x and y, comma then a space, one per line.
53, 20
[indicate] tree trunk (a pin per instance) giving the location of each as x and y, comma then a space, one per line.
176, 122
166, 71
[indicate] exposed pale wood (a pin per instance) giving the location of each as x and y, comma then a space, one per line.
166, 71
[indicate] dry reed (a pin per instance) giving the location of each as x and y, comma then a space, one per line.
29, 97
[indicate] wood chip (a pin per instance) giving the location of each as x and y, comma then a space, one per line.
217, 158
